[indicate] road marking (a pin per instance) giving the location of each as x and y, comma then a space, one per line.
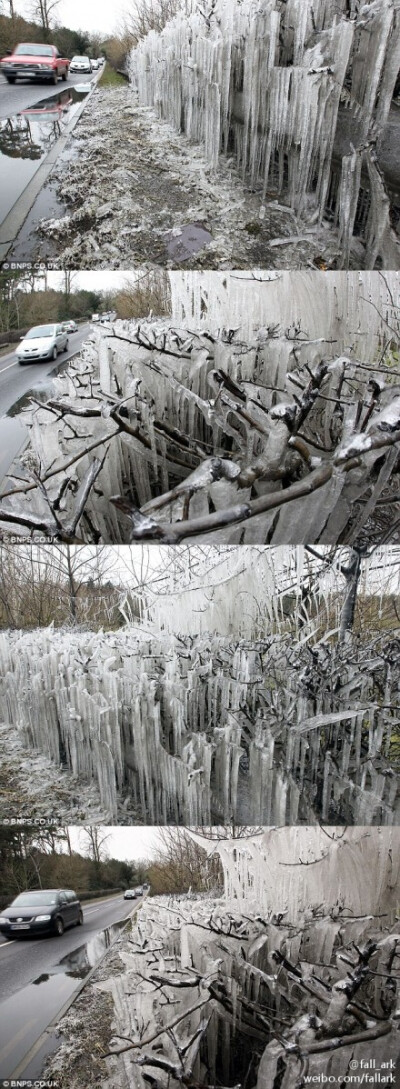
89, 911
8, 368
5, 944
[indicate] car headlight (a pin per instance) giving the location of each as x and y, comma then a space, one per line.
3, 920
42, 918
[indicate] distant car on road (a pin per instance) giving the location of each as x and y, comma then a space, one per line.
80, 64
42, 342
41, 911
34, 61
95, 63
70, 326
133, 894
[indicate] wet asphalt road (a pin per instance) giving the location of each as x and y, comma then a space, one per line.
21, 961
38, 976
22, 95
15, 382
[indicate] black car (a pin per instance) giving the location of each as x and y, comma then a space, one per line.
41, 911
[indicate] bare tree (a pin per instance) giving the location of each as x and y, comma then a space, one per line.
182, 864
95, 841
43, 11
145, 15
56, 584
140, 296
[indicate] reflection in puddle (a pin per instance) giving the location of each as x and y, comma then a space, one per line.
26, 137
78, 963
182, 242
23, 1017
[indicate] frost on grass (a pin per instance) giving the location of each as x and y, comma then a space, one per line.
293, 973
206, 729
274, 85
267, 412
129, 186
24, 770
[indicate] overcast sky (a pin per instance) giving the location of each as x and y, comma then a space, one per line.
95, 16
123, 843
91, 281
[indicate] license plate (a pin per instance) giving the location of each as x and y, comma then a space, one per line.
20, 926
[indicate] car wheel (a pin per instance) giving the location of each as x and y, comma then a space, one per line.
64, 76
10, 79
80, 919
58, 926
54, 78
54, 353
66, 345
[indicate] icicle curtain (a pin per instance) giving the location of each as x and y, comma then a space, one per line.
268, 82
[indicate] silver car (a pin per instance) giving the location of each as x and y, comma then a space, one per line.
42, 342
80, 64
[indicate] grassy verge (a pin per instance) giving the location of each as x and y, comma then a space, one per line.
111, 78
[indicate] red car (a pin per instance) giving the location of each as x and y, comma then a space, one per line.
35, 61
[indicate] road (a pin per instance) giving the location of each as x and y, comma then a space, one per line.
31, 138
39, 976
22, 95
15, 382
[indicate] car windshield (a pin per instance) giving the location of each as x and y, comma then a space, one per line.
33, 899
40, 331
86, 59
29, 50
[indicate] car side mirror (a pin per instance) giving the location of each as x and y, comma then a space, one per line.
8, 52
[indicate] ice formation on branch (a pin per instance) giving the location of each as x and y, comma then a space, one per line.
201, 730
298, 982
167, 433
297, 93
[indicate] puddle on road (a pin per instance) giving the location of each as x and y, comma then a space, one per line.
27, 246
25, 1016
183, 242
43, 389
26, 138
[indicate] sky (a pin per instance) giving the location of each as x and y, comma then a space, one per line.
95, 16
91, 281
123, 843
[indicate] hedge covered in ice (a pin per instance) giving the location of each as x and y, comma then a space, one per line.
302, 981
296, 92
285, 434
199, 730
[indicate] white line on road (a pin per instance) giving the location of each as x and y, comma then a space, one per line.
8, 368
89, 911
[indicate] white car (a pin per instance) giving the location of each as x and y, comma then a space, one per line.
42, 342
80, 64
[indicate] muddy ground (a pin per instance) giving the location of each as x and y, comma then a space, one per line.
31, 787
131, 185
